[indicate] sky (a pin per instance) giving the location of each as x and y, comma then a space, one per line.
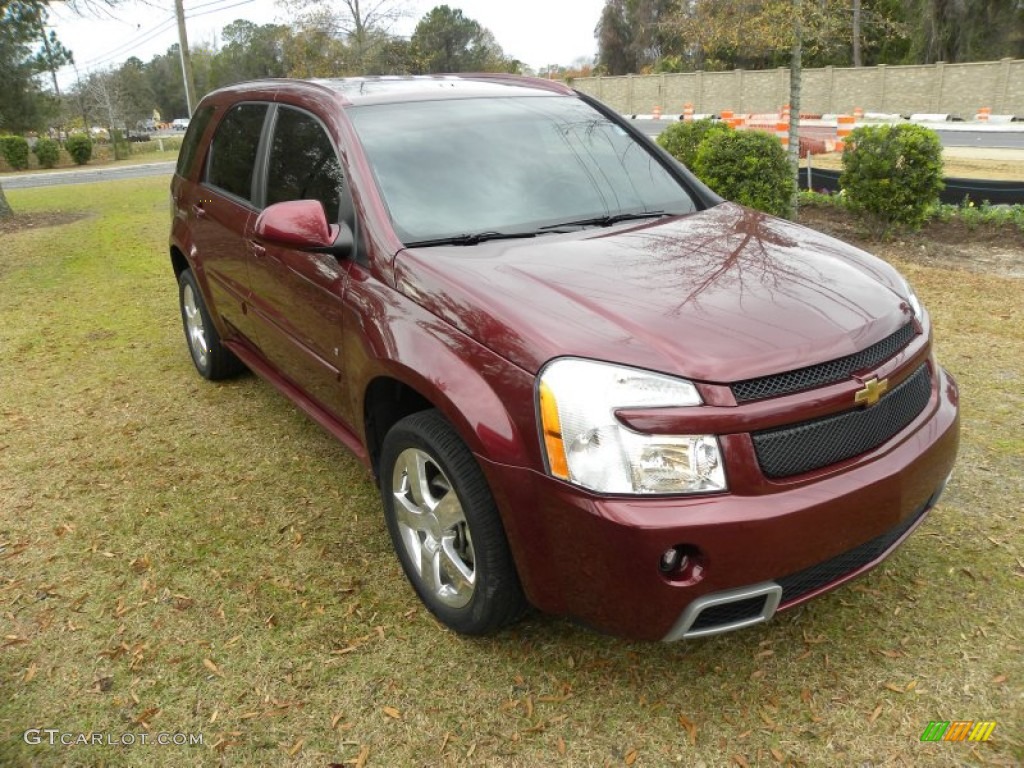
537, 32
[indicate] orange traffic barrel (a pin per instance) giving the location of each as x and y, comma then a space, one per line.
782, 131
687, 111
657, 113
984, 114
844, 127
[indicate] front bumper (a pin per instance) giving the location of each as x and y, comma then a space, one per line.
595, 558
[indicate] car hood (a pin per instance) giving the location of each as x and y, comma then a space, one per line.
720, 295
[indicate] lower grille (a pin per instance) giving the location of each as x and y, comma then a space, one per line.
799, 584
727, 613
809, 445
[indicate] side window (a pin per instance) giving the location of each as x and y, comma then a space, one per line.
303, 164
233, 150
190, 144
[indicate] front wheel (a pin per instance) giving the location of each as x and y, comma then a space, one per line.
445, 527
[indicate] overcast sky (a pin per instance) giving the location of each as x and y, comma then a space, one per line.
538, 32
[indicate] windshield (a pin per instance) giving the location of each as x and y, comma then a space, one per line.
509, 165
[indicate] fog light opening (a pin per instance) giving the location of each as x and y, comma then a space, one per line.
682, 563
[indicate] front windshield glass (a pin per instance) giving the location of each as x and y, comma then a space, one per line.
507, 165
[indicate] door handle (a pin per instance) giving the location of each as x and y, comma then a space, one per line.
259, 251
198, 210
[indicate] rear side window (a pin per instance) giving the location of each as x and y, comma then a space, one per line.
303, 164
190, 144
233, 150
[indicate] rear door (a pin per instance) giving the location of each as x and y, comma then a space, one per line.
297, 295
223, 215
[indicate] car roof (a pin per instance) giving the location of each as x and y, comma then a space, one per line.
356, 91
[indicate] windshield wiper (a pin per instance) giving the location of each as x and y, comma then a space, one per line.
472, 239
607, 221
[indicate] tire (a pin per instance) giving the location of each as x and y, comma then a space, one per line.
212, 359
445, 527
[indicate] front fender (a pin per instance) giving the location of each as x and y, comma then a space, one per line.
486, 398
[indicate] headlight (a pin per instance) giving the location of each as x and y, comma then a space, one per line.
586, 445
913, 301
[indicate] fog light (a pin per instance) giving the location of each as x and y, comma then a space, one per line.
669, 560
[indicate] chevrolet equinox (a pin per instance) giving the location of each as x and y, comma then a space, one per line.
581, 379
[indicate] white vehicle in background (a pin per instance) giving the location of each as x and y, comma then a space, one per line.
179, 123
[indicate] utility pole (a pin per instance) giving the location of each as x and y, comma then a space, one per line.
795, 77
856, 33
186, 61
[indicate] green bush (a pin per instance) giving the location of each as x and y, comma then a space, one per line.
79, 146
747, 167
15, 151
892, 175
47, 152
682, 139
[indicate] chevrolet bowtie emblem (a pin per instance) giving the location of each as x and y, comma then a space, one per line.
873, 390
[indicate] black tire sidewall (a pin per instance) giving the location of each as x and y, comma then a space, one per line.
497, 596
221, 363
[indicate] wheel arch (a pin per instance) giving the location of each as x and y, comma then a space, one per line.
178, 261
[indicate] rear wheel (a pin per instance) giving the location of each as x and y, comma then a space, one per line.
212, 359
445, 527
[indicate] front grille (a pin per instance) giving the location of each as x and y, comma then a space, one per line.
810, 445
798, 584
729, 613
823, 373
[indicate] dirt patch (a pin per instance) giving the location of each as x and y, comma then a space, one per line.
987, 248
21, 221
957, 162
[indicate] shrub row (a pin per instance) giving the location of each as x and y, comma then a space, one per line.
15, 151
892, 174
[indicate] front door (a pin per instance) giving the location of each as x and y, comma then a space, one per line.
297, 295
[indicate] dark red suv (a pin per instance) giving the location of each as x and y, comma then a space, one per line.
581, 379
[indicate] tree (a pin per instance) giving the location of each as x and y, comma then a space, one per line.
447, 41
250, 52
361, 25
966, 30
23, 103
632, 35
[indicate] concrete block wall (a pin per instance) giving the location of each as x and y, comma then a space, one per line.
958, 89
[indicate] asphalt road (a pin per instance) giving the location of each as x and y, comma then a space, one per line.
950, 138
86, 175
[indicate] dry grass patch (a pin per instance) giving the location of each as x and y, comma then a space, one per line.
182, 557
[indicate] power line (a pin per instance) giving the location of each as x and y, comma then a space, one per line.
217, 10
113, 53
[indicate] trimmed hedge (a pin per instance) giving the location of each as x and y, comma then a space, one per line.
79, 146
747, 167
683, 139
892, 175
47, 152
15, 151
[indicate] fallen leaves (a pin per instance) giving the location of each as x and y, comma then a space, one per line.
391, 712
208, 663
690, 727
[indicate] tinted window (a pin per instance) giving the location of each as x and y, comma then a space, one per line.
303, 164
233, 150
190, 144
508, 164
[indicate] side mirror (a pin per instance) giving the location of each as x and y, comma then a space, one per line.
301, 224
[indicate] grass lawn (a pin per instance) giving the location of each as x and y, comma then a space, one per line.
181, 557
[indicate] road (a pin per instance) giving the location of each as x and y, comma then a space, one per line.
86, 175
950, 138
